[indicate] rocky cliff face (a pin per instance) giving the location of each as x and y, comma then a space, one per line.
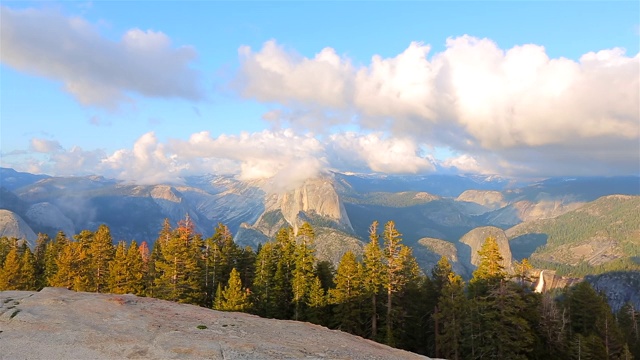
492, 200
315, 196
430, 250
56, 323
476, 237
47, 215
620, 287
12, 225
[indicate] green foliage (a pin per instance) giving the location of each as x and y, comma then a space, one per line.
178, 271
496, 318
234, 297
490, 270
450, 316
610, 218
348, 294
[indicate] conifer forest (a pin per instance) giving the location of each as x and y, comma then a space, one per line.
382, 295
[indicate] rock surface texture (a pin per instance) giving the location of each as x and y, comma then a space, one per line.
56, 323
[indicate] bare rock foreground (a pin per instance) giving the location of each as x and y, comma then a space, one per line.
57, 323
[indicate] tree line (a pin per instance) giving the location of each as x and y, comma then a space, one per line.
382, 295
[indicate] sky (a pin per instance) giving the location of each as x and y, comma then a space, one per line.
151, 92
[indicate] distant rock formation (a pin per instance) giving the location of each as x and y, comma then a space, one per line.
47, 215
12, 225
491, 200
315, 196
476, 237
430, 250
56, 323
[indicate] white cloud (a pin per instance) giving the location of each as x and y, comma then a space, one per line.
517, 107
274, 74
44, 145
282, 155
94, 69
386, 155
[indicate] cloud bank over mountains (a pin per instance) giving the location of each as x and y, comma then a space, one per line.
515, 112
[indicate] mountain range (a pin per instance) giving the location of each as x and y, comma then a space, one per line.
563, 224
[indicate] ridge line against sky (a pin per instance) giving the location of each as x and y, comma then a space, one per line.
154, 91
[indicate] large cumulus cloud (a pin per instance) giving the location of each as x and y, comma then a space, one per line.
95, 70
516, 110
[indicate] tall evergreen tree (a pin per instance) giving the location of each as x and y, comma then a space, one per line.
490, 271
451, 317
101, 253
348, 295
303, 271
317, 303
10, 276
234, 297
83, 275
178, 271
264, 279
441, 276
283, 278
398, 268
28, 274
221, 254
629, 322
52, 252
374, 276
118, 270
39, 253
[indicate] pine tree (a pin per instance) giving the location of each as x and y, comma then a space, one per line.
10, 273
234, 297
303, 271
118, 275
316, 303
374, 273
67, 266
136, 280
522, 270
28, 275
264, 279
552, 328
83, 274
5, 246
348, 294
451, 317
52, 252
221, 254
40, 259
490, 271
178, 270
441, 276
283, 277
629, 322
101, 253
325, 271
395, 257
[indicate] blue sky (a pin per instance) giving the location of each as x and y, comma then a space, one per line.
152, 91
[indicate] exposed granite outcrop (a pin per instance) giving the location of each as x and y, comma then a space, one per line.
56, 323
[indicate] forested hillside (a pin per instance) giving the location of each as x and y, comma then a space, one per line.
603, 235
382, 295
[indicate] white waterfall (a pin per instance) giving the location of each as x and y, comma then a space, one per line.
540, 286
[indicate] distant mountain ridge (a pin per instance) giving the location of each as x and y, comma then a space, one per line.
341, 207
